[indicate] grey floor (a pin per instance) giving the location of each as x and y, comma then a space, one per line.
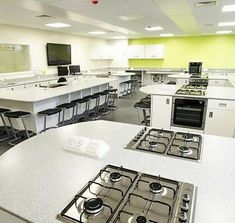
125, 113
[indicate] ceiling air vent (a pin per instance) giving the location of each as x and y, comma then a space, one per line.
205, 3
43, 16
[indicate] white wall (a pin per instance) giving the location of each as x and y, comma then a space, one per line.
37, 40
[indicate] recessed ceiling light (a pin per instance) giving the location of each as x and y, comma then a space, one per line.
97, 32
57, 25
153, 28
228, 8
224, 32
226, 24
130, 18
166, 34
119, 37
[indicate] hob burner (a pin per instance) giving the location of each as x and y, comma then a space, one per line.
185, 150
115, 177
93, 205
141, 219
153, 144
188, 137
155, 187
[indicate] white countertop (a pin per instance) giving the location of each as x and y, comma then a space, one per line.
32, 79
39, 178
212, 92
123, 74
35, 94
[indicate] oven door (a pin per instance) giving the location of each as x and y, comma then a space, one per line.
189, 112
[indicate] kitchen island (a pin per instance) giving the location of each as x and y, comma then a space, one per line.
36, 99
219, 108
39, 178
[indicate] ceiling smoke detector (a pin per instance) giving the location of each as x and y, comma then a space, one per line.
205, 3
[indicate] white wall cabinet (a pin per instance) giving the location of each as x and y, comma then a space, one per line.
161, 111
146, 51
220, 118
135, 52
154, 51
101, 52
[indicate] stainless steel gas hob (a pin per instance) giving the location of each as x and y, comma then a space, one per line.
119, 195
168, 143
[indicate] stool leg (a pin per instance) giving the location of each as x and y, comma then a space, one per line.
73, 114
45, 123
12, 128
5, 126
63, 113
58, 119
26, 130
145, 117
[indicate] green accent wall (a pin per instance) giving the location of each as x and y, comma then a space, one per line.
213, 51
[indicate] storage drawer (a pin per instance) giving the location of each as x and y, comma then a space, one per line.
216, 82
221, 104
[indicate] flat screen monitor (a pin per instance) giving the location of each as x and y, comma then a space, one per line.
74, 69
58, 54
62, 71
195, 68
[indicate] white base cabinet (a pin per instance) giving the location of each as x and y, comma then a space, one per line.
8, 218
220, 118
161, 111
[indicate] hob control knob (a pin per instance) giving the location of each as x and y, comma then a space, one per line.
183, 217
145, 128
184, 207
186, 198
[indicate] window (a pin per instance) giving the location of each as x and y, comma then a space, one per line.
14, 58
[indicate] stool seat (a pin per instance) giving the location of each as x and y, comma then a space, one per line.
94, 96
67, 105
141, 105
50, 111
17, 114
112, 90
3, 110
105, 92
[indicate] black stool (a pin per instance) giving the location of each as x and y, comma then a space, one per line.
49, 112
5, 134
81, 117
66, 106
103, 109
127, 88
144, 106
112, 97
16, 115
93, 114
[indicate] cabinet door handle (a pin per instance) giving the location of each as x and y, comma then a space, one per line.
210, 114
234, 133
167, 101
222, 105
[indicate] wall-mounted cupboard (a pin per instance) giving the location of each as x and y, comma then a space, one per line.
101, 52
146, 51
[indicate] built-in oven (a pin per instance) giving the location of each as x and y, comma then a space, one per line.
188, 112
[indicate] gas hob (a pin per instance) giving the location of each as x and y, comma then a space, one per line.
167, 143
119, 195
192, 89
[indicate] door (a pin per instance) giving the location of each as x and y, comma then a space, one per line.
161, 111
220, 122
220, 118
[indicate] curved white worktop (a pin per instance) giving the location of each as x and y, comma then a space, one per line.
212, 92
39, 178
35, 94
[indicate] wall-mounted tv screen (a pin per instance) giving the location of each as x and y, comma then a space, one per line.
58, 54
